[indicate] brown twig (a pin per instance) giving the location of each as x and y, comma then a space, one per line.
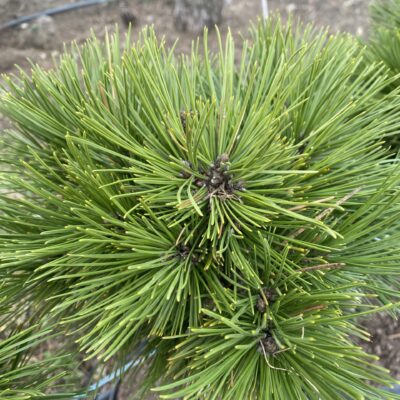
311, 308
315, 308
394, 336
343, 200
322, 266
328, 211
304, 206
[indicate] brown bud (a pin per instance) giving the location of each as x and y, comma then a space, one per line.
268, 345
223, 158
261, 305
269, 294
183, 119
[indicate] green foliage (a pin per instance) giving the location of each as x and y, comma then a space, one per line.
240, 216
385, 13
385, 47
22, 379
384, 43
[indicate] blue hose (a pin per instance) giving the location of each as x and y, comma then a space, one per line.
395, 389
112, 377
109, 378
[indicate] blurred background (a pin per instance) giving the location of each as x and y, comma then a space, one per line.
42, 37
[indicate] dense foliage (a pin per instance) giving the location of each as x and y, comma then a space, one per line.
231, 215
23, 378
384, 44
386, 13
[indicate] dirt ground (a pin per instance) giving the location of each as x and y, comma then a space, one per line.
40, 42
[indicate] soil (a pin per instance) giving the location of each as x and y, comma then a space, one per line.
20, 43
385, 341
41, 41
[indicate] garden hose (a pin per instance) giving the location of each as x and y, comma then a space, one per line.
51, 11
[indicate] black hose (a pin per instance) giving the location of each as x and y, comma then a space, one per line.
52, 11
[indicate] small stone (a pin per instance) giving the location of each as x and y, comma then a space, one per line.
41, 34
150, 18
291, 7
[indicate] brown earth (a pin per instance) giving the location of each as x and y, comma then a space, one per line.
18, 44
40, 42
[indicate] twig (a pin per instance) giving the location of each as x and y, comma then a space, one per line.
394, 336
300, 314
315, 308
322, 266
304, 206
328, 211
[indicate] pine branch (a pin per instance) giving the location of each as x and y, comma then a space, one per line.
239, 217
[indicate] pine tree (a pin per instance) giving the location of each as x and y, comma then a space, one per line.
233, 220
